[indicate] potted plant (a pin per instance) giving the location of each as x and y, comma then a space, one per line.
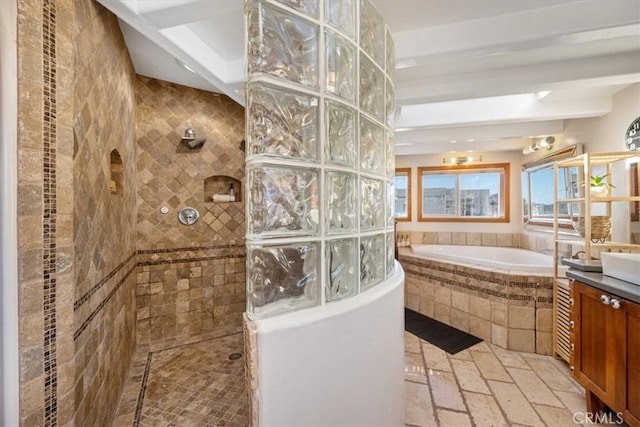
598, 187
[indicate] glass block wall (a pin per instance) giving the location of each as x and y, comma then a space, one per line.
320, 153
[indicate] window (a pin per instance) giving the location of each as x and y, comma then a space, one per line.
402, 202
468, 193
538, 188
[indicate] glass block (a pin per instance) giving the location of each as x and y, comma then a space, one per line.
341, 269
390, 154
391, 254
371, 204
340, 190
340, 63
371, 88
390, 197
340, 143
372, 140
283, 201
391, 55
282, 278
282, 44
372, 260
340, 14
308, 7
372, 32
389, 104
282, 123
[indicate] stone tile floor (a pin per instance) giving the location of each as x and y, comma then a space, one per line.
485, 385
189, 385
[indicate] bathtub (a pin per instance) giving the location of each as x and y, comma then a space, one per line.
507, 260
502, 295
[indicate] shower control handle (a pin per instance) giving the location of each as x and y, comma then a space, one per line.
605, 299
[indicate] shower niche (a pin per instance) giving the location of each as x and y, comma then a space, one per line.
216, 189
116, 172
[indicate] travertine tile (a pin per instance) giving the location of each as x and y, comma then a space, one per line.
480, 328
554, 378
489, 239
418, 409
414, 368
504, 240
574, 402
435, 358
443, 295
427, 307
469, 377
459, 238
490, 366
460, 301
479, 307
514, 404
499, 335
555, 416
544, 343
461, 355
522, 340
444, 238
484, 410
499, 313
446, 393
544, 320
474, 239
533, 388
509, 358
522, 317
459, 320
450, 418
411, 343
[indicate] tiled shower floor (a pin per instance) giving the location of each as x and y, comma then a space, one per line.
197, 385
189, 385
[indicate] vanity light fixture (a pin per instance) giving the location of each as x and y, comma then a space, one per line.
543, 143
461, 160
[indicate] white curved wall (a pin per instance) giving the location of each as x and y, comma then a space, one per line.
336, 365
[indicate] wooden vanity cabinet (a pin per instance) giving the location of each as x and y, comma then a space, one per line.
605, 356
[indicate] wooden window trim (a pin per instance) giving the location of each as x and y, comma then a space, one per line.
408, 217
456, 168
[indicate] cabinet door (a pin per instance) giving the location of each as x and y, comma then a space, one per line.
629, 393
595, 344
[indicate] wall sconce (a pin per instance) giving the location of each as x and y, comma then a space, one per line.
543, 143
189, 139
461, 160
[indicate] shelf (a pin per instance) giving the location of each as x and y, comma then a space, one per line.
615, 245
601, 199
571, 241
596, 159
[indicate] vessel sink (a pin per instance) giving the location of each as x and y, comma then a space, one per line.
622, 266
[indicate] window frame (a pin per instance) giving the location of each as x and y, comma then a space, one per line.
408, 217
455, 169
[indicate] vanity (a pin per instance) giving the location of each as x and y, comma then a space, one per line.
605, 342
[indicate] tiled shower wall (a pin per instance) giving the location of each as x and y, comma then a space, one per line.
76, 248
104, 223
190, 279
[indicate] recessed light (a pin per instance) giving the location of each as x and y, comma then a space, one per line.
453, 141
470, 140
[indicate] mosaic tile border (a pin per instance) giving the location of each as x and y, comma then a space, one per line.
413, 266
94, 313
191, 248
87, 296
49, 274
147, 369
84, 298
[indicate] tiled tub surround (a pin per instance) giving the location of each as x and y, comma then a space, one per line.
511, 311
189, 294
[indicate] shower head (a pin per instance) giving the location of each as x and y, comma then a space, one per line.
189, 139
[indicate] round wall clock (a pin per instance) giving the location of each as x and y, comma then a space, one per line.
632, 136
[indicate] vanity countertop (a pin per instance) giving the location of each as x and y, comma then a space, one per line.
607, 284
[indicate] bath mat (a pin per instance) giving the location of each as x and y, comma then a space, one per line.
447, 338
